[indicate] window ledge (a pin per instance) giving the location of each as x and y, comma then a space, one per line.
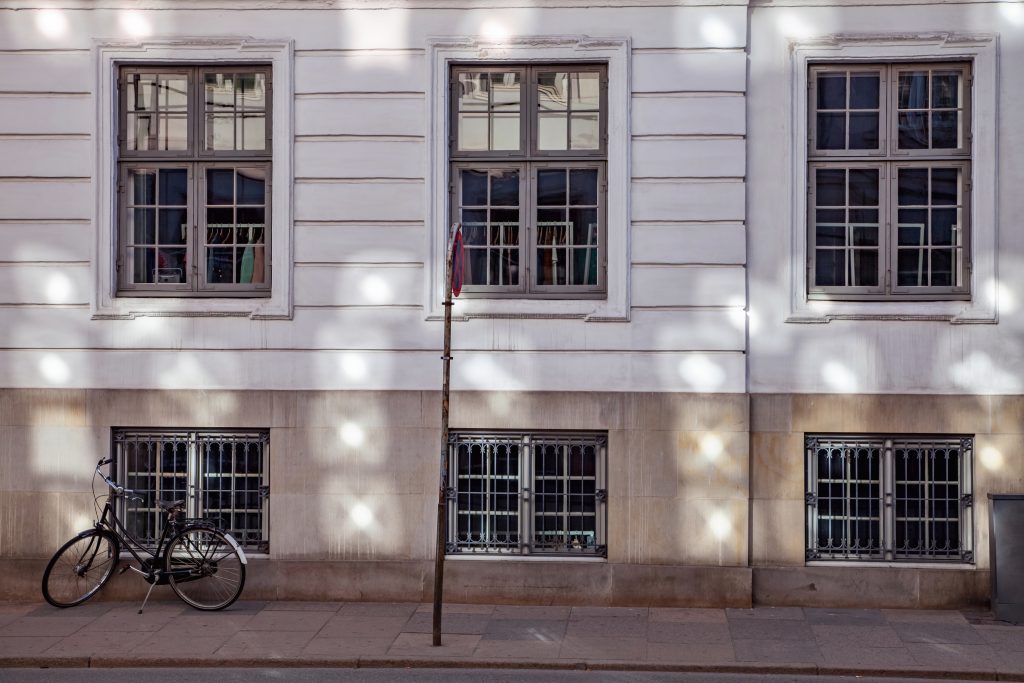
525, 558
892, 565
129, 308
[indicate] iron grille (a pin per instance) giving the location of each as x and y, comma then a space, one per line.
878, 498
516, 493
220, 475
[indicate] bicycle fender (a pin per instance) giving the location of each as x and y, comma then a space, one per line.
234, 544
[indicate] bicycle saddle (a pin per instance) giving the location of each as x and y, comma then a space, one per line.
167, 507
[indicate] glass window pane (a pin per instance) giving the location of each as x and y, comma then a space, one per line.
583, 226
945, 226
219, 265
864, 91
173, 226
551, 187
505, 132
583, 186
942, 268
143, 222
864, 187
830, 234
913, 90
474, 91
864, 234
831, 91
505, 189
865, 268
473, 132
254, 132
913, 130
911, 268
235, 111
474, 187
945, 186
913, 227
143, 266
831, 132
220, 186
506, 91
829, 265
585, 91
251, 185
864, 130
220, 132
143, 183
584, 131
170, 266
945, 89
253, 93
830, 187
553, 131
173, 187
945, 130
912, 186
552, 91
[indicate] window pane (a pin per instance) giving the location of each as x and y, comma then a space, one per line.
945, 89
473, 132
945, 130
474, 187
474, 91
830, 187
220, 186
156, 108
553, 131
143, 222
832, 91
913, 186
491, 234
585, 131
551, 187
171, 267
235, 111
489, 110
585, 91
143, 182
235, 236
174, 187
864, 91
864, 187
864, 271
583, 186
251, 185
505, 189
552, 91
913, 90
831, 131
864, 130
505, 132
173, 226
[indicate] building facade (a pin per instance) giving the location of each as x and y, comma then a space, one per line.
740, 319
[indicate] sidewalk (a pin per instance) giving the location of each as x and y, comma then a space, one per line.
788, 640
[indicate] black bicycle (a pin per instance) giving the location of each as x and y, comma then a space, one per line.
202, 563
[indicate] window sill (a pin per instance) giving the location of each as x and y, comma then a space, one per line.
891, 565
508, 557
255, 308
951, 311
590, 310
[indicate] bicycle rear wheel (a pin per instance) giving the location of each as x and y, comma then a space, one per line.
204, 568
80, 568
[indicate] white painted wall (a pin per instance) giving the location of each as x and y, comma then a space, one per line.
877, 355
359, 235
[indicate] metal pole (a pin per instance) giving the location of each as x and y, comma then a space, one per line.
442, 489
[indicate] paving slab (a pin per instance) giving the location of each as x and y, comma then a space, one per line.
787, 640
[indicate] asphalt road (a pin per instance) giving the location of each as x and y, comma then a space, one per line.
408, 675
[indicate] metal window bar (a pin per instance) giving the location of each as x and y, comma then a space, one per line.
527, 494
220, 475
890, 499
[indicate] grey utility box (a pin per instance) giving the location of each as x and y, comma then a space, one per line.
1006, 550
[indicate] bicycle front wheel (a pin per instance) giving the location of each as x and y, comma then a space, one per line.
204, 568
80, 568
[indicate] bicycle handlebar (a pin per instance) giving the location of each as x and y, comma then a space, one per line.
118, 489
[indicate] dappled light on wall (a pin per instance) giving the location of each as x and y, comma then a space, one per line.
361, 516
352, 434
711, 447
376, 290
353, 367
838, 377
978, 374
134, 24
1000, 296
720, 525
1013, 12
494, 31
701, 374
991, 459
374, 28
59, 289
52, 23
480, 372
54, 369
717, 33
792, 26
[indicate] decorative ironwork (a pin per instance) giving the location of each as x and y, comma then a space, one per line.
219, 474
889, 498
519, 493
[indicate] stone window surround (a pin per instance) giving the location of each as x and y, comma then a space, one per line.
107, 57
615, 52
981, 50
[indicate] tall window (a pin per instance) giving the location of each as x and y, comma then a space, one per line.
878, 498
523, 494
194, 180
219, 474
528, 158
889, 181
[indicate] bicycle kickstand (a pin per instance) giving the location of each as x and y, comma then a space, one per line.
151, 587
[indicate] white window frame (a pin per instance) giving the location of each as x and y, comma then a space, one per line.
613, 51
107, 58
982, 52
